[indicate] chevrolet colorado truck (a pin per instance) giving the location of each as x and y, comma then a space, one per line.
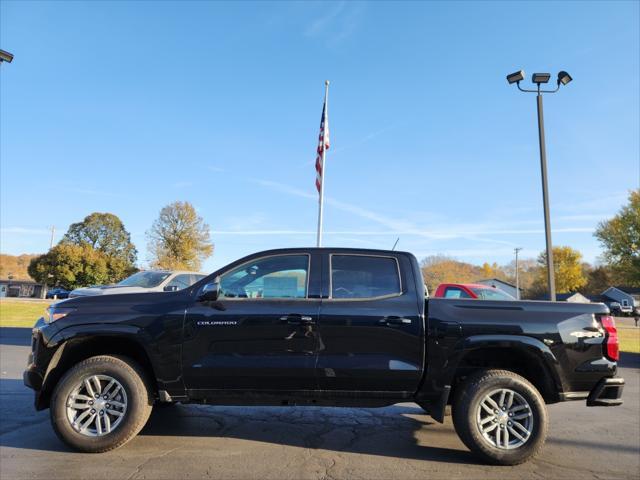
321, 326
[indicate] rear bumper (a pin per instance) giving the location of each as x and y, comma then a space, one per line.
607, 393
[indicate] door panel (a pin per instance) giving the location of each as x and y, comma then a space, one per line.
370, 344
251, 345
261, 333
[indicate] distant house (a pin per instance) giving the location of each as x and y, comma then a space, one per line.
500, 284
20, 288
574, 297
627, 297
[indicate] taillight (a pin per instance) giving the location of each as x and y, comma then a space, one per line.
611, 349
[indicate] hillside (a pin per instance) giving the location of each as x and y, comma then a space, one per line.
15, 265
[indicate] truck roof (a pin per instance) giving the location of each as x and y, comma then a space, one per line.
333, 250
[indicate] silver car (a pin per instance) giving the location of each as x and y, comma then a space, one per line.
145, 281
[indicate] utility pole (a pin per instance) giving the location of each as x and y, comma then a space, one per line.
517, 249
43, 292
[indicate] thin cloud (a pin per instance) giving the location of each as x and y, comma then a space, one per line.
25, 231
322, 23
337, 23
435, 234
91, 191
476, 233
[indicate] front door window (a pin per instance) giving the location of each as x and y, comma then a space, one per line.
279, 277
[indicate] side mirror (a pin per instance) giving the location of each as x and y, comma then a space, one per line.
171, 288
210, 292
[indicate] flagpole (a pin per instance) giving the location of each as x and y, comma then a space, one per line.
324, 152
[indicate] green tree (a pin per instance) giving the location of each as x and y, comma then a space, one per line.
569, 274
70, 266
105, 233
620, 238
179, 238
598, 279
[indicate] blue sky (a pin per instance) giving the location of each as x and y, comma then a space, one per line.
126, 107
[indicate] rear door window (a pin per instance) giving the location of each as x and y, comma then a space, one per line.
361, 276
455, 292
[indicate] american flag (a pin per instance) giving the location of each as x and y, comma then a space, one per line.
323, 144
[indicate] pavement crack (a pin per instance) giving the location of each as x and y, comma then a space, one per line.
140, 466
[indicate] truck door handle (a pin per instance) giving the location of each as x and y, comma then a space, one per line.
297, 319
392, 320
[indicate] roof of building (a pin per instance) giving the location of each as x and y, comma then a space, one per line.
562, 297
627, 289
15, 281
598, 298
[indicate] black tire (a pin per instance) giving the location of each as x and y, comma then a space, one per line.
466, 405
139, 402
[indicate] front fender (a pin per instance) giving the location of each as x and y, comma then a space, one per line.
96, 329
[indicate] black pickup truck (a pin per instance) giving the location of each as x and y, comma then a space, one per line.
320, 326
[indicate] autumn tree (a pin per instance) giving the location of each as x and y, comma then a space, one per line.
528, 273
599, 278
569, 274
493, 271
620, 238
179, 238
437, 269
105, 233
71, 266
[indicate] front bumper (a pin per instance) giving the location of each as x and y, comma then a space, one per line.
607, 393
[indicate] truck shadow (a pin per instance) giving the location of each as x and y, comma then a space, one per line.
17, 336
629, 360
399, 431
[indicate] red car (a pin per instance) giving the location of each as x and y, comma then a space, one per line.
470, 290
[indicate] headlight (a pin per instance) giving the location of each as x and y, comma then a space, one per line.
56, 313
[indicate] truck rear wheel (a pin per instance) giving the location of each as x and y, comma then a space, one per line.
500, 416
100, 404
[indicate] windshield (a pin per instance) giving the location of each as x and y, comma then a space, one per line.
144, 279
491, 294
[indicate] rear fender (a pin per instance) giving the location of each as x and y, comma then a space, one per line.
442, 369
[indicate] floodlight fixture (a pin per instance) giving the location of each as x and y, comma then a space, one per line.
515, 77
563, 78
5, 56
539, 78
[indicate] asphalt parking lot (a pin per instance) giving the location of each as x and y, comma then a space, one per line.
397, 442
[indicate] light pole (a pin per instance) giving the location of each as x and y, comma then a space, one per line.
517, 249
539, 79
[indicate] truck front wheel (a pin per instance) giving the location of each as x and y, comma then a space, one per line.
101, 403
500, 416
